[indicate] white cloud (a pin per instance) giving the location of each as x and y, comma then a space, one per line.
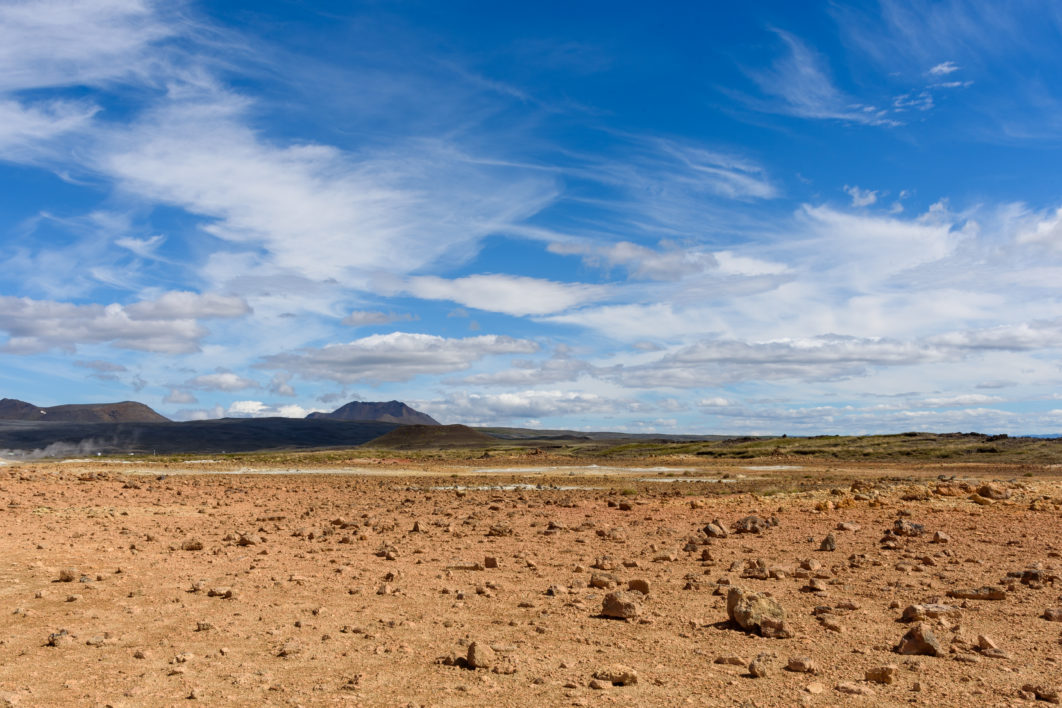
861, 197
1045, 229
179, 397
63, 43
364, 318
72, 42
398, 356
176, 305
260, 409
477, 408
670, 263
508, 294
730, 263
280, 386
316, 210
143, 247
558, 369
221, 381
943, 69
167, 325
102, 367
968, 399
803, 87
25, 131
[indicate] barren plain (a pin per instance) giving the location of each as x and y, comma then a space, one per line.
528, 580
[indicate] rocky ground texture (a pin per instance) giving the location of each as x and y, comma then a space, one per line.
926, 586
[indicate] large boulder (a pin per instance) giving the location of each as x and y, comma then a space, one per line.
758, 613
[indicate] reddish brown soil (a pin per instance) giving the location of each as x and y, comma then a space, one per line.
307, 625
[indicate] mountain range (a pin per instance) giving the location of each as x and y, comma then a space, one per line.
123, 412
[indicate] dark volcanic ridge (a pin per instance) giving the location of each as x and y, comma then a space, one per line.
123, 412
201, 436
389, 412
416, 437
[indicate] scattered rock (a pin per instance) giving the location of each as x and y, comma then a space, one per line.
854, 689
603, 581
61, 638
192, 544
920, 640
617, 675
993, 491
68, 575
1053, 614
1043, 692
760, 666
903, 527
480, 656
715, 530
801, 665
882, 674
752, 524
920, 613
622, 604
985, 592
639, 585
829, 543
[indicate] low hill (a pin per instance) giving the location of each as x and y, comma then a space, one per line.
123, 412
416, 437
389, 412
203, 436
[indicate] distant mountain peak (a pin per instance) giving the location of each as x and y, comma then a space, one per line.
385, 411
122, 412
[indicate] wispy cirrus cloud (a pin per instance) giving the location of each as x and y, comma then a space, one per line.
800, 83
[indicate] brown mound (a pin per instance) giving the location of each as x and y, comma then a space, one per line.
412, 437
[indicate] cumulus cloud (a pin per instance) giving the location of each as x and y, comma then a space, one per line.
167, 325
258, 409
1046, 230
221, 381
176, 305
558, 369
509, 294
178, 396
398, 356
861, 197
829, 357
484, 408
280, 385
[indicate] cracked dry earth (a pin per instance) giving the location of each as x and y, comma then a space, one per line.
249, 590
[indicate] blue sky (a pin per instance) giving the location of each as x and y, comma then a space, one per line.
784, 218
